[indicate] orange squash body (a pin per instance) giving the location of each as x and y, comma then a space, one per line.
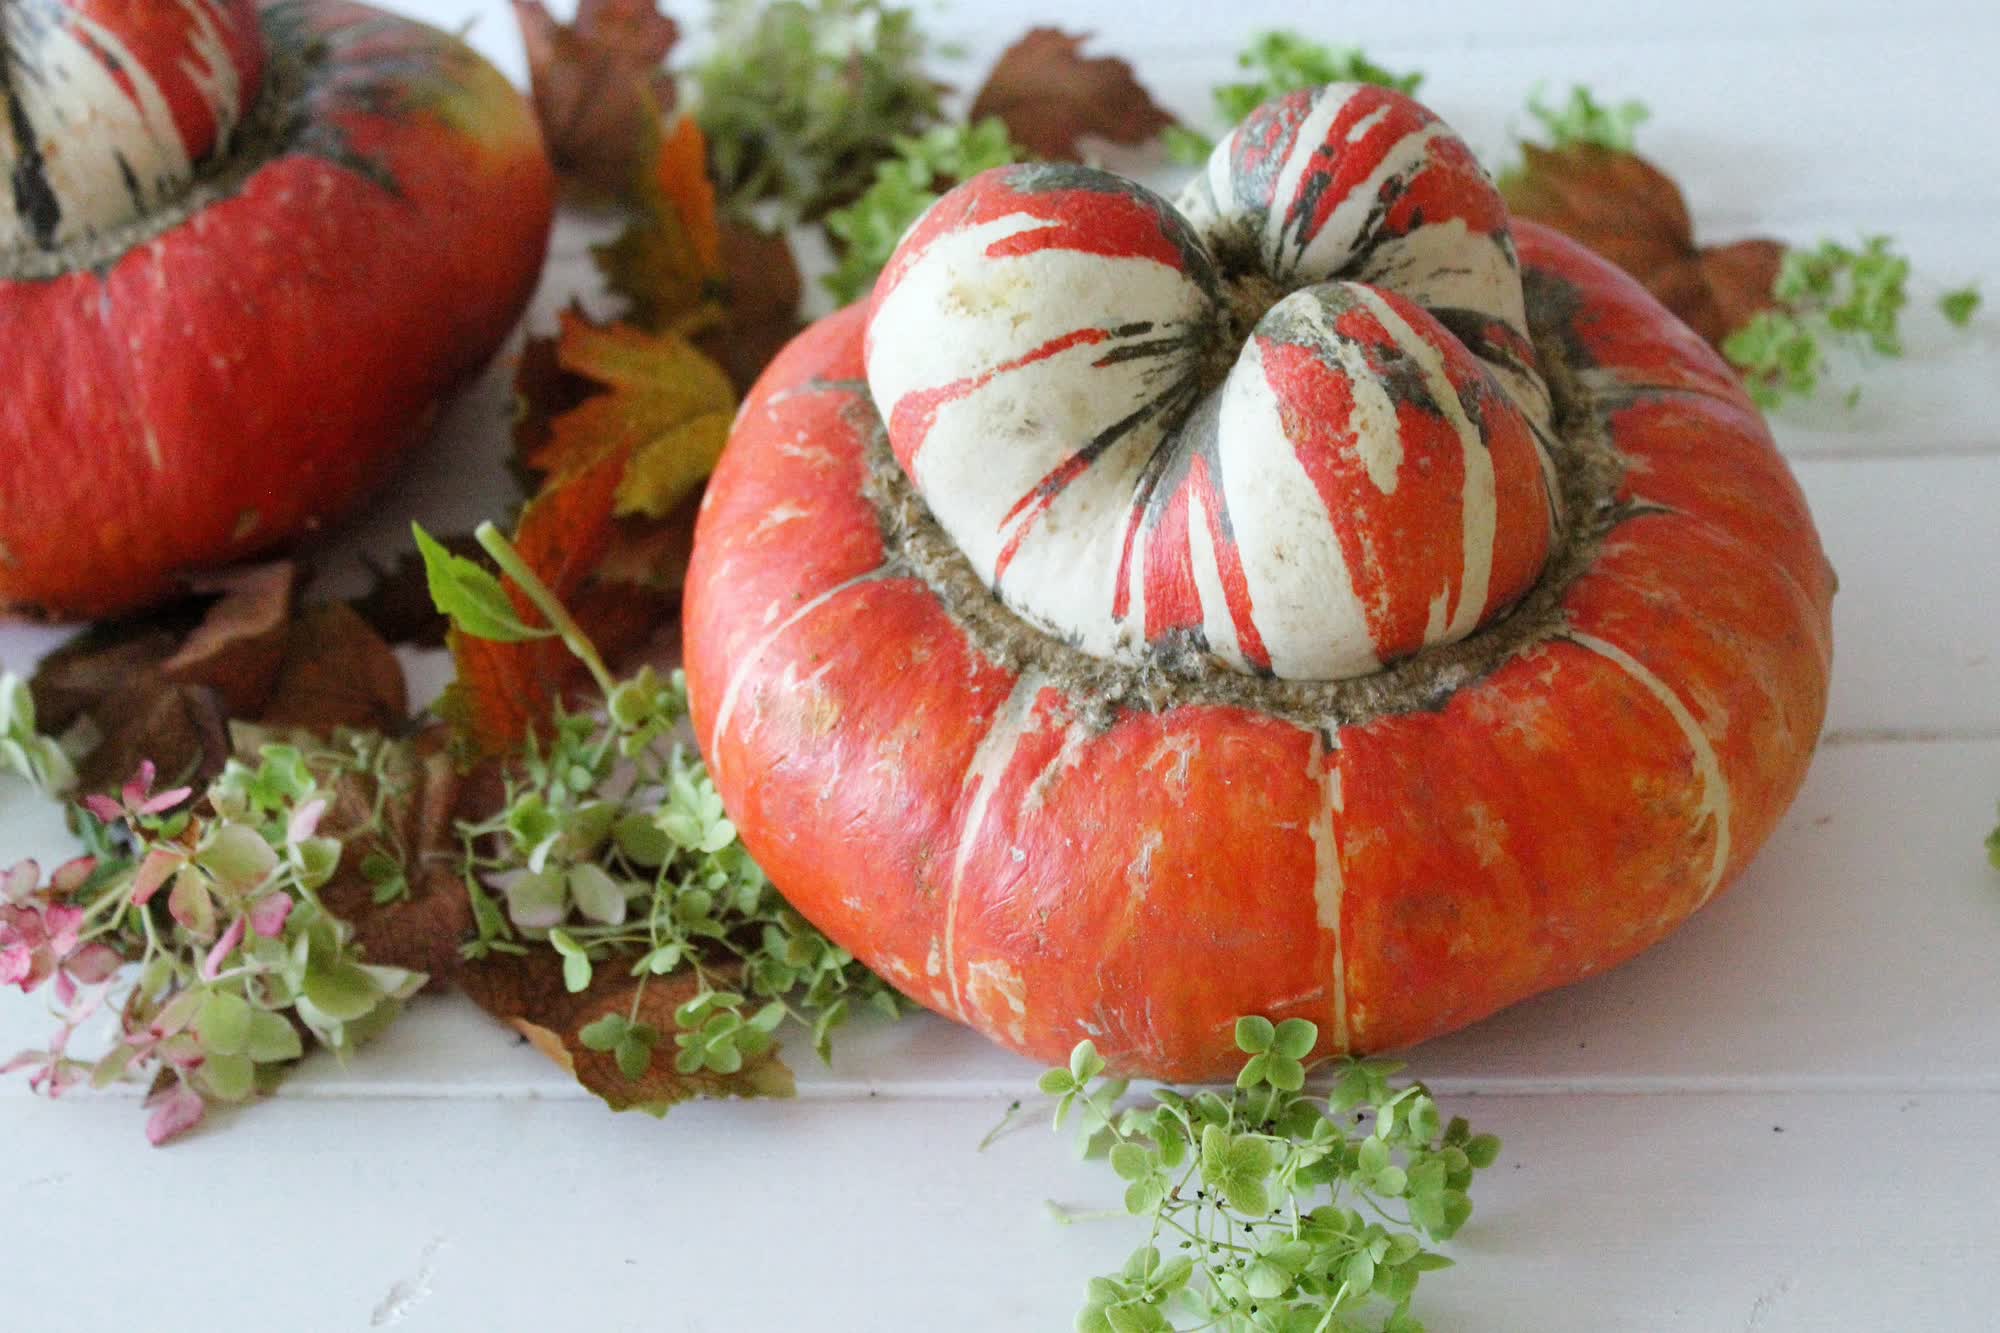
249, 372
1045, 878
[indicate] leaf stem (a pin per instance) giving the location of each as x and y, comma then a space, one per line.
545, 601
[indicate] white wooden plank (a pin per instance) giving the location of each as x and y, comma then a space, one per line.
1765, 1213
1916, 639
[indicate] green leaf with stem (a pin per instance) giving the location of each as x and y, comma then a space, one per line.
470, 596
1289, 1205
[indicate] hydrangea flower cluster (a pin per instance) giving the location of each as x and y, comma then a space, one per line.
196, 921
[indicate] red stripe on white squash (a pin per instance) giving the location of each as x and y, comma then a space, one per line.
114, 107
1370, 478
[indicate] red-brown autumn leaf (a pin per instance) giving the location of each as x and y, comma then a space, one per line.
761, 294
600, 86
682, 268
667, 408
527, 992
667, 263
1632, 213
1050, 95
610, 527
504, 691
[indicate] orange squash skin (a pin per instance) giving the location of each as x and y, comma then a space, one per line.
1043, 880
250, 372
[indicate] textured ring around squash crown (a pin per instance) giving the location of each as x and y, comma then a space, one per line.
1293, 427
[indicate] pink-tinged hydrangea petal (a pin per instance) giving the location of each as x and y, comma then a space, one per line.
44, 1079
73, 875
104, 808
166, 800
141, 783
20, 882
211, 966
153, 872
175, 1111
305, 821
26, 960
183, 1051
268, 917
25, 1060
63, 925
94, 963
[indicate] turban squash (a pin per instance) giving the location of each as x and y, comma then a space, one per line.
1320, 598
244, 251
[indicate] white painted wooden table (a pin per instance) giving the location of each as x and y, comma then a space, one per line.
1782, 1118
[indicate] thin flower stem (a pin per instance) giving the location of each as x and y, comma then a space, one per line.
545, 601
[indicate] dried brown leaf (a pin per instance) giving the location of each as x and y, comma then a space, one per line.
237, 647
527, 992
337, 672
761, 311
182, 730
406, 811
1633, 214
1050, 95
600, 86
167, 688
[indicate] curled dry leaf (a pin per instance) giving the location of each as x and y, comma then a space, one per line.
166, 688
236, 648
600, 86
1050, 95
527, 992
336, 671
1633, 214
667, 263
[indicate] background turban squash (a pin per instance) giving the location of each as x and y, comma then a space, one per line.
244, 250
1314, 598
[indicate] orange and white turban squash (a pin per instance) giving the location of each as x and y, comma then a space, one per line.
244, 250
1318, 598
